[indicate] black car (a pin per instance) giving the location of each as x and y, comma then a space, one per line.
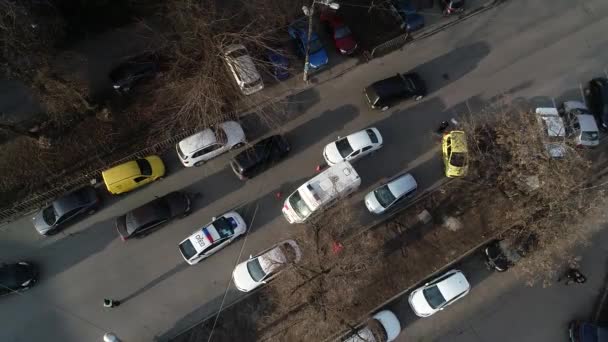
150, 216
382, 94
260, 156
597, 100
503, 254
49, 220
579, 331
17, 277
133, 70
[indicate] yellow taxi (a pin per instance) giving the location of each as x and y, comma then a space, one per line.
133, 174
455, 154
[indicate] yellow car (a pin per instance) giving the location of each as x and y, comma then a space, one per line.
455, 154
133, 174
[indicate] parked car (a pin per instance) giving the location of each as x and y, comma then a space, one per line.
260, 156
17, 277
455, 154
343, 38
597, 98
280, 65
449, 7
317, 56
243, 69
49, 220
134, 70
580, 331
503, 254
383, 327
580, 123
412, 21
388, 195
142, 221
439, 293
382, 94
262, 268
133, 174
554, 131
209, 143
211, 238
353, 146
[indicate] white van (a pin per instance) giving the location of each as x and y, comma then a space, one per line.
321, 192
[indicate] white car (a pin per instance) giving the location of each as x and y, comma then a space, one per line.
554, 130
439, 293
212, 237
580, 123
242, 68
389, 323
265, 266
353, 146
394, 191
209, 143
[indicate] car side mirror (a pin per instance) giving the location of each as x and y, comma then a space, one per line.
213, 218
264, 282
339, 137
250, 256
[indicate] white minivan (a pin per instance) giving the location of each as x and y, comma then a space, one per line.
321, 192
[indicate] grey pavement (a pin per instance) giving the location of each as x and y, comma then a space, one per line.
502, 308
524, 50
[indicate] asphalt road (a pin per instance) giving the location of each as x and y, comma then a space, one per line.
526, 51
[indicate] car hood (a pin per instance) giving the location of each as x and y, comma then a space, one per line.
372, 204
41, 226
318, 59
234, 132
331, 154
419, 304
242, 278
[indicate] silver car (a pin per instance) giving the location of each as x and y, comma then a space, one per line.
386, 196
210, 143
580, 123
49, 220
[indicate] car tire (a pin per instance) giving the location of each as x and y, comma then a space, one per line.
384, 109
418, 98
199, 163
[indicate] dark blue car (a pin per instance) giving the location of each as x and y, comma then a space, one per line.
317, 56
411, 19
280, 65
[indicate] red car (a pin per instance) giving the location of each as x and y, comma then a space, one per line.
343, 37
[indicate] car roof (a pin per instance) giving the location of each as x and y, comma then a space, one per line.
197, 141
257, 153
272, 259
459, 141
587, 123
148, 212
73, 200
402, 184
453, 286
554, 123
243, 64
122, 171
359, 140
389, 86
208, 235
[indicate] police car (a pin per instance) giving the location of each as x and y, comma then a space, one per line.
212, 237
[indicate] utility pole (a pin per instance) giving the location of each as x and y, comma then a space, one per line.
309, 12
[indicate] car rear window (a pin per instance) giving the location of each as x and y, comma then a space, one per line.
372, 136
344, 147
144, 167
341, 32
433, 296
458, 159
187, 249
49, 215
590, 136
255, 270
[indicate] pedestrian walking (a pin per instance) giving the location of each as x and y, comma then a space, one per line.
110, 303
442, 127
573, 275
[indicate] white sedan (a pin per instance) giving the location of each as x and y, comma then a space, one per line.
389, 329
212, 237
210, 143
439, 293
266, 265
353, 146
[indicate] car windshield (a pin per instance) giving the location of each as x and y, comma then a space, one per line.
144, 167
433, 296
224, 226
458, 159
341, 32
344, 147
372, 136
315, 45
589, 136
253, 84
384, 196
220, 135
49, 215
187, 249
298, 205
255, 270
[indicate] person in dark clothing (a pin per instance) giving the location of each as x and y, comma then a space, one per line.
574, 276
110, 303
442, 127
